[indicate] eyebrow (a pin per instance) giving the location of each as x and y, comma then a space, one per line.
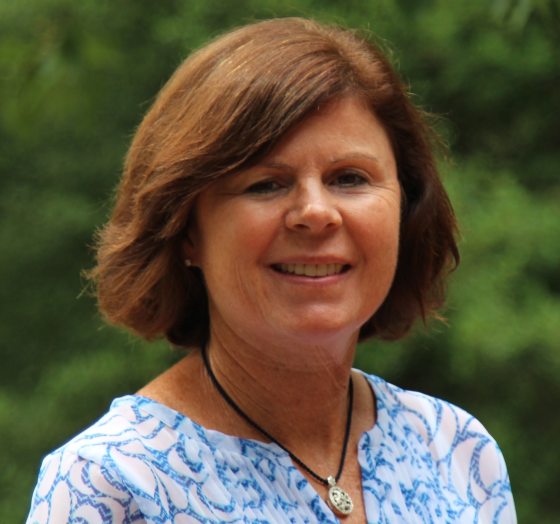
356, 156
351, 156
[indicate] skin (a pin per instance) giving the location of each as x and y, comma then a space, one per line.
283, 344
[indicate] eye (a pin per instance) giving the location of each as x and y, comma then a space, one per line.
263, 187
347, 179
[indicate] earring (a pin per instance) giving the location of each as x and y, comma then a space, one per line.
188, 262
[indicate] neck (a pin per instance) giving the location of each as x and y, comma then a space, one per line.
332, 479
299, 397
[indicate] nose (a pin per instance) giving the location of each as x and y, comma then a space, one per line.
313, 210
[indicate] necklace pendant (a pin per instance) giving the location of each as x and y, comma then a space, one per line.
339, 500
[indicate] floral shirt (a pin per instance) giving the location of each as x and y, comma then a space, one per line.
424, 461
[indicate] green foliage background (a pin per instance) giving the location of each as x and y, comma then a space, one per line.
75, 78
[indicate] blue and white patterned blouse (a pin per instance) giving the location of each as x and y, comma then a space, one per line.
424, 461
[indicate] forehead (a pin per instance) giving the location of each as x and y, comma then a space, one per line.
344, 126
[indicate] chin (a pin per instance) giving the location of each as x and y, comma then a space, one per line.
319, 332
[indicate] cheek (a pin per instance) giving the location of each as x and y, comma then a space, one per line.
233, 241
379, 225
378, 238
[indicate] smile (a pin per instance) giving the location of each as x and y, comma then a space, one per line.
311, 270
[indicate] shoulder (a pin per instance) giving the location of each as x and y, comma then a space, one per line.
446, 447
436, 421
111, 462
125, 426
75, 478
137, 434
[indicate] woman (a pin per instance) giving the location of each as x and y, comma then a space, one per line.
279, 204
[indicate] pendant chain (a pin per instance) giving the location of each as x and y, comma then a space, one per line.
251, 422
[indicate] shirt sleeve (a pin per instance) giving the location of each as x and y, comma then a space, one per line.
74, 490
465, 459
490, 475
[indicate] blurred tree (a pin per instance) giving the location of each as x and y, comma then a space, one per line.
77, 76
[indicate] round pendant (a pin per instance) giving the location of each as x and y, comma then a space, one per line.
339, 500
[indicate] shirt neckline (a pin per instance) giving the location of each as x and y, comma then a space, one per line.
225, 441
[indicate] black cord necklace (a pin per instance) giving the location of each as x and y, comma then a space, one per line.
339, 499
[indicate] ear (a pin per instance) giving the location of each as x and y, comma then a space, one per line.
188, 246
188, 250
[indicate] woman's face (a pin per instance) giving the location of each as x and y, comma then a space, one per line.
305, 243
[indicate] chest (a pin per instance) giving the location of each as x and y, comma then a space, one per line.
258, 484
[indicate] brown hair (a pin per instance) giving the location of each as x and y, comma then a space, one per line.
224, 108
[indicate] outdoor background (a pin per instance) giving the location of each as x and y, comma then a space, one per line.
75, 79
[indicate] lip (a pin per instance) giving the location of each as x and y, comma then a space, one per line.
324, 259
322, 270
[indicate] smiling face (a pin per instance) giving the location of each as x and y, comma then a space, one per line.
305, 243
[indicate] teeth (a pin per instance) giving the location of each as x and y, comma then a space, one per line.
311, 270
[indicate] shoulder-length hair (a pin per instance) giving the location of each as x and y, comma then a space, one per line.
223, 109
